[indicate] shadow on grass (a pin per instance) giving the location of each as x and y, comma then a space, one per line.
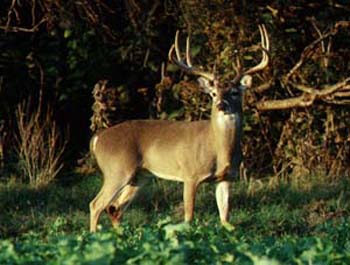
24, 208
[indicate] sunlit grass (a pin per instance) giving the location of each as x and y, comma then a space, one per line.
257, 205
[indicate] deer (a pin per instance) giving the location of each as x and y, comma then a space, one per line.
191, 152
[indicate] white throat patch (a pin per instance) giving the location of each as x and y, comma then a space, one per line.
227, 120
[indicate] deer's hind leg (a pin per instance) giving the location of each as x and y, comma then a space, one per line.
111, 189
117, 207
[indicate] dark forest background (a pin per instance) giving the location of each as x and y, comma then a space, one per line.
54, 53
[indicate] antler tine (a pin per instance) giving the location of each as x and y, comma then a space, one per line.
188, 52
266, 37
238, 70
188, 65
177, 49
265, 43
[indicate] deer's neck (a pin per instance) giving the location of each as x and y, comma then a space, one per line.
225, 126
226, 129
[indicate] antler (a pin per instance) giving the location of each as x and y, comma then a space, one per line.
186, 66
265, 48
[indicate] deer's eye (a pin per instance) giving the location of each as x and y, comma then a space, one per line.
213, 94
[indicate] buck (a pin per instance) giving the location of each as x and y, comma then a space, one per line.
189, 152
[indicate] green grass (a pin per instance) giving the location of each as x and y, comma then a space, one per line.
286, 223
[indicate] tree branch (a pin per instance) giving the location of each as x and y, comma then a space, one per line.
302, 101
35, 28
309, 50
337, 93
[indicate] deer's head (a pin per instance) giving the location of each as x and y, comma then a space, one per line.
226, 96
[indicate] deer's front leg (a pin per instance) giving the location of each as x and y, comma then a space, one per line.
189, 197
222, 200
223, 163
222, 172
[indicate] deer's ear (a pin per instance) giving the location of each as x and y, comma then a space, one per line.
206, 85
246, 81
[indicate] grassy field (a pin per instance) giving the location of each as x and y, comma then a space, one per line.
304, 221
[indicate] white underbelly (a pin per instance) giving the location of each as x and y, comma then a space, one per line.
179, 178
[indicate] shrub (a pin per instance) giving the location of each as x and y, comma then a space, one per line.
39, 145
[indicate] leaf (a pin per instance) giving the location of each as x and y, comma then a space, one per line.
67, 33
229, 227
172, 230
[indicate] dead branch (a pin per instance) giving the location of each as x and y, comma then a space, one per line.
265, 86
302, 101
35, 28
325, 50
310, 49
331, 94
337, 93
327, 90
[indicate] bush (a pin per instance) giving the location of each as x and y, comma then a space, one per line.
40, 145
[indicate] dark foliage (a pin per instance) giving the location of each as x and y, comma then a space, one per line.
54, 52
